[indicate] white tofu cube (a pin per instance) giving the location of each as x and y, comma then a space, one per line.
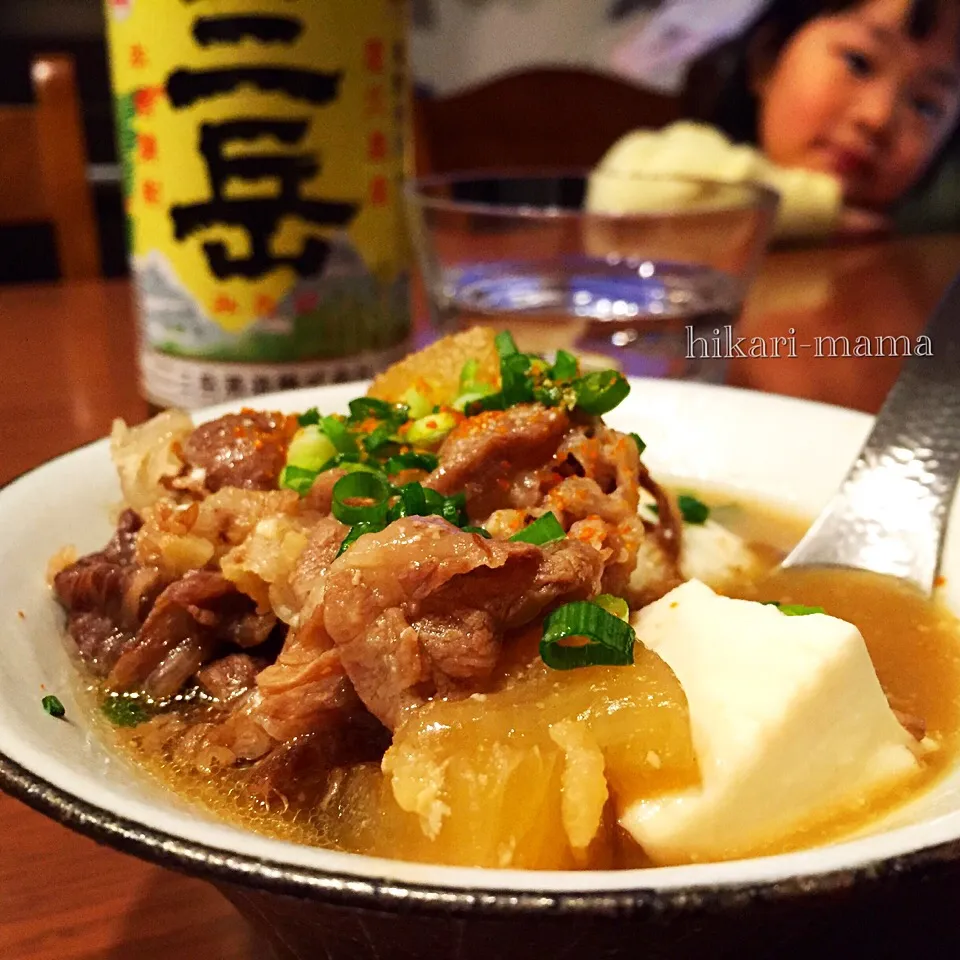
788, 720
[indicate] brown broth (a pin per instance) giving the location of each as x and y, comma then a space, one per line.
914, 644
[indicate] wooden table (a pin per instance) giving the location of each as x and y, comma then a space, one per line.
69, 368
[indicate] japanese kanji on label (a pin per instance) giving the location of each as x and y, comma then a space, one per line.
261, 156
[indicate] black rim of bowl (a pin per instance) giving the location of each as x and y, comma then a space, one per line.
351, 890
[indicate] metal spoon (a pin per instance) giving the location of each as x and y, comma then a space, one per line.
890, 514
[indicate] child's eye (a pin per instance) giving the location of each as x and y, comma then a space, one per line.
859, 64
928, 108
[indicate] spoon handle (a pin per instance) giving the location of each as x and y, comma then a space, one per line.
891, 512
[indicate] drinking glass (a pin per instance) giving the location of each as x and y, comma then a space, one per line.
648, 274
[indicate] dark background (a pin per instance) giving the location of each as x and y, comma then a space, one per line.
31, 27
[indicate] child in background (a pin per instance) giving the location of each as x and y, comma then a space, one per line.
840, 105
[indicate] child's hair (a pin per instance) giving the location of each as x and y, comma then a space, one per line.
719, 89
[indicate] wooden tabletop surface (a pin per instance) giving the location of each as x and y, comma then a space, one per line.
68, 368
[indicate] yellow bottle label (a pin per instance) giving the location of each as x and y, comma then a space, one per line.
262, 151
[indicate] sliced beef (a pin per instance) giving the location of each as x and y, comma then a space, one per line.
306, 682
301, 769
569, 570
320, 495
246, 450
320, 551
422, 606
301, 693
607, 457
190, 620
98, 640
230, 676
484, 455
107, 595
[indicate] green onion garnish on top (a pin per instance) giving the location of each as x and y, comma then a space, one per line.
692, 510
641, 446
516, 383
505, 344
365, 407
53, 706
411, 502
454, 509
609, 640
309, 417
339, 435
544, 530
411, 461
564, 367
373, 487
310, 448
297, 478
479, 531
357, 531
381, 436
615, 605
793, 609
599, 392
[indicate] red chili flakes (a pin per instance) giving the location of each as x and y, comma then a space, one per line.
940, 581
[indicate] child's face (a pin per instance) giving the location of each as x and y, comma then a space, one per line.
853, 95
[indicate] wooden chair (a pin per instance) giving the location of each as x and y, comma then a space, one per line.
43, 167
546, 118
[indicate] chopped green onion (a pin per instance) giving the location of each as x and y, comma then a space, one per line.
339, 435
365, 407
492, 402
468, 373
53, 706
794, 609
641, 446
361, 486
309, 417
454, 509
411, 461
692, 510
542, 531
467, 399
357, 466
429, 431
609, 639
379, 437
297, 478
479, 531
550, 395
123, 711
615, 605
310, 449
416, 403
411, 502
599, 392
341, 459
565, 366
505, 344
799, 610
357, 531
516, 382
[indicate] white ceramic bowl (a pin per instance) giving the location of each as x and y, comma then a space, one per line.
780, 450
